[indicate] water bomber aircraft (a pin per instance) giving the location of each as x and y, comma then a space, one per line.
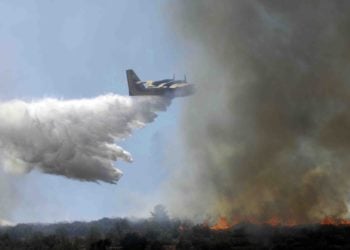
166, 87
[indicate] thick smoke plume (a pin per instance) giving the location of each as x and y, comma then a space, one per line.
268, 133
73, 138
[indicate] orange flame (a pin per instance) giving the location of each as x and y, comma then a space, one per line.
223, 223
334, 221
274, 221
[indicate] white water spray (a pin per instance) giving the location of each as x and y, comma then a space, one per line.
72, 138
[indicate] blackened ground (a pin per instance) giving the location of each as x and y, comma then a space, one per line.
267, 237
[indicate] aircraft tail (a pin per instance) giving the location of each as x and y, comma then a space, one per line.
132, 80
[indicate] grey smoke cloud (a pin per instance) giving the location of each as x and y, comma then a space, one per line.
72, 138
267, 134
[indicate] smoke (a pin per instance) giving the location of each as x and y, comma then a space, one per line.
268, 133
72, 138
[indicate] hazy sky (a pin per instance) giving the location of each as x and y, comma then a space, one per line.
74, 49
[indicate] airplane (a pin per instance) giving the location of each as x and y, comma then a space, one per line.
167, 87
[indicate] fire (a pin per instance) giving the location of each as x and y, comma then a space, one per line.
223, 223
334, 221
273, 221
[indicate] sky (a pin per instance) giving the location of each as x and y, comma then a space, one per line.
81, 49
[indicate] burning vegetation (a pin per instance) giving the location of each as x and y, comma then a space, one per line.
160, 232
165, 234
267, 133
223, 223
